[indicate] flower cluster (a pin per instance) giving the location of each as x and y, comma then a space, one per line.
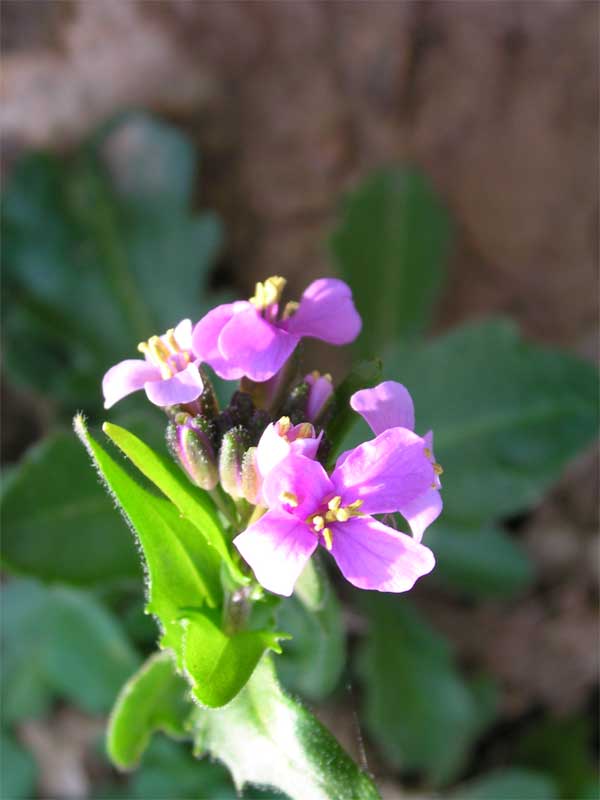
262, 457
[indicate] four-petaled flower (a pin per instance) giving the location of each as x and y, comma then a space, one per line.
307, 507
168, 372
252, 339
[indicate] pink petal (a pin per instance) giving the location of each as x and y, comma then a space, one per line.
277, 548
183, 387
257, 347
183, 334
271, 449
422, 511
326, 312
205, 339
302, 478
388, 405
386, 473
320, 391
126, 377
372, 556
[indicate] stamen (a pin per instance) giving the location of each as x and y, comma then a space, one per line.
158, 353
290, 498
343, 514
355, 505
327, 538
284, 425
334, 503
268, 293
305, 431
290, 309
438, 469
428, 453
318, 523
172, 341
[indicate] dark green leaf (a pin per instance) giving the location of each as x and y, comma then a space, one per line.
58, 523
483, 561
18, 773
506, 415
265, 737
417, 706
59, 642
391, 247
313, 660
364, 375
218, 664
156, 698
508, 784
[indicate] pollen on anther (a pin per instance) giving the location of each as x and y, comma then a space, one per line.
334, 503
290, 498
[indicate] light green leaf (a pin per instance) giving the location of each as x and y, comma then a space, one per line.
391, 247
59, 641
219, 664
313, 660
265, 737
183, 570
18, 773
483, 561
417, 707
193, 504
154, 699
58, 523
508, 784
507, 415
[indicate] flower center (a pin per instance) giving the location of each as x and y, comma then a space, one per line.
290, 432
165, 353
334, 511
268, 292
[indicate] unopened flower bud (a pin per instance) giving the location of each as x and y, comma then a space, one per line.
251, 479
319, 394
233, 447
189, 440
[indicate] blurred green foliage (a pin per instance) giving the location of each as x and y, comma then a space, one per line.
102, 249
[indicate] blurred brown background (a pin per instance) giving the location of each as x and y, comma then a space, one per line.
290, 101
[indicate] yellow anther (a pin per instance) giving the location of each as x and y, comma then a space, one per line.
290, 309
343, 514
284, 425
268, 292
171, 341
318, 523
438, 469
290, 498
355, 505
428, 453
334, 503
305, 431
158, 353
327, 538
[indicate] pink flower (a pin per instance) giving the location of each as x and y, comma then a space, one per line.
307, 508
168, 373
252, 339
388, 406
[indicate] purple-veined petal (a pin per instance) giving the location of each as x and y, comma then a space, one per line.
422, 511
388, 405
205, 339
126, 377
257, 347
326, 312
277, 548
183, 387
320, 391
386, 473
372, 556
183, 334
301, 478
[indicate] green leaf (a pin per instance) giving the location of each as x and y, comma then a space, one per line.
218, 664
58, 523
391, 247
417, 707
154, 699
265, 737
98, 246
19, 772
59, 641
183, 570
364, 375
193, 503
508, 784
485, 562
313, 660
507, 415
